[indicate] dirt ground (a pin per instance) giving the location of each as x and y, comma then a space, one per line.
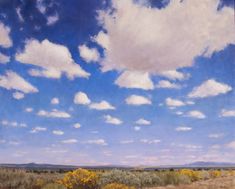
219, 183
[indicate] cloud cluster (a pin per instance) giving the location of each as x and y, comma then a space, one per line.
155, 41
51, 59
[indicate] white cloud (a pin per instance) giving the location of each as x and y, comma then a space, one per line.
88, 54
151, 32
142, 121
52, 59
174, 75
112, 120
12, 80
29, 109
5, 40
69, 141
174, 102
146, 141
97, 142
231, 145
167, 84
81, 98
51, 20
4, 59
38, 129
41, 6
216, 135
103, 105
55, 100
196, 114
179, 113
136, 80
102, 39
137, 100
137, 128
209, 88
126, 141
183, 129
77, 125
227, 113
58, 132
18, 12
18, 95
54, 114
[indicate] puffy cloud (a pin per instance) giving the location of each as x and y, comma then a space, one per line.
97, 142
29, 109
89, 54
209, 88
142, 121
4, 59
183, 129
38, 129
157, 32
69, 141
146, 141
5, 40
227, 113
18, 95
51, 20
55, 100
103, 105
77, 125
52, 59
137, 100
102, 39
196, 114
167, 84
112, 120
133, 79
12, 80
174, 103
81, 98
58, 132
54, 114
174, 75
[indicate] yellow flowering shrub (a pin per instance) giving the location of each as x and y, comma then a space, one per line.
80, 179
193, 175
117, 186
215, 173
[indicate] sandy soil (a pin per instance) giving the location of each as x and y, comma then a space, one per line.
219, 183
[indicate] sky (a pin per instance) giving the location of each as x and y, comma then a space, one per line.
117, 82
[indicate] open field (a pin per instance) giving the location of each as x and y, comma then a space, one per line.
118, 179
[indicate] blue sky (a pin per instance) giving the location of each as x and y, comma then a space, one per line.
117, 82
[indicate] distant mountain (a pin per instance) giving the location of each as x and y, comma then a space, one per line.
199, 164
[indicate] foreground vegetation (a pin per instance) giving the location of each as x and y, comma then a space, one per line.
108, 179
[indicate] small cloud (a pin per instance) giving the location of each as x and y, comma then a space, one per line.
227, 113
137, 128
103, 105
183, 129
51, 20
196, 114
55, 100
126, 141
77, 125
88, 54
209, 88
137, 80
175, 75
137, 100
4, 59
97, 142
146, 141
174, 102
58, 132
54, 114
216, 135
167, 85
5, 39
38, 129
18, 95
81, 98
20, 16
142, 121
29, 109
112, 120
179, 113
69, 141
